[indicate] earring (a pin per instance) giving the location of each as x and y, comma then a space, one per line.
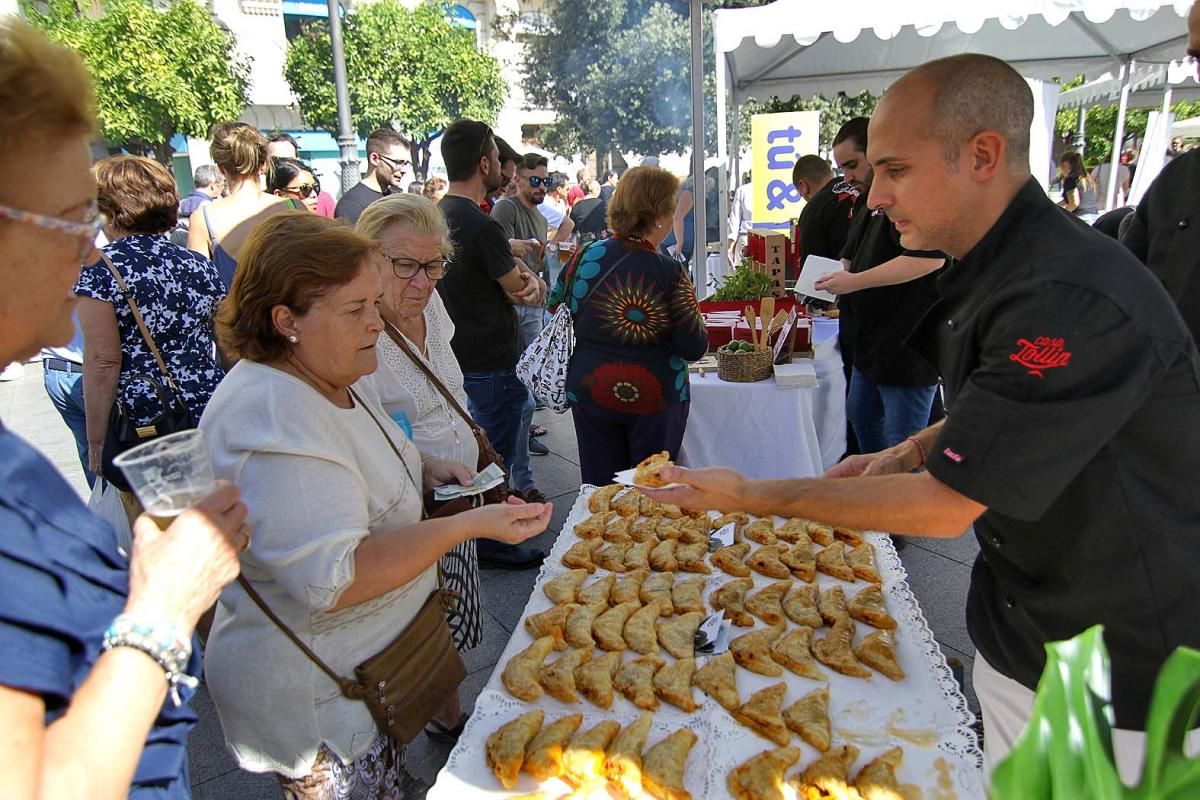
293, 339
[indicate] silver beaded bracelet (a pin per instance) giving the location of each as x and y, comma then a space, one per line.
160, 640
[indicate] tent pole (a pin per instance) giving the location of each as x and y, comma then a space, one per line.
1081, 136
722, 151
1118, 135
699, 238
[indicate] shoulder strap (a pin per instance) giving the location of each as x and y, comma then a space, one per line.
212, 238
398, 338
600, 280
141, 323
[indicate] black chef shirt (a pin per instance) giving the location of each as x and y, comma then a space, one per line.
825, 222
1073, 400
881, 318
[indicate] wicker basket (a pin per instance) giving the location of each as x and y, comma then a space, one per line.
745, 367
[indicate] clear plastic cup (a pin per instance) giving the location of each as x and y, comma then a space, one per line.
169, 474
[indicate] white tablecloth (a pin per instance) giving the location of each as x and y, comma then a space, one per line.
763, 431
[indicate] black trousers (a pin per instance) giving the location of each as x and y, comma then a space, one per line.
610, 441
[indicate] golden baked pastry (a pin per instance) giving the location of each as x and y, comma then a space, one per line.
731, 598
635, 680
662, 557
686, 594
640, 633
649, 507
862, 561
739, 517
579, 555
520, 674
673, 684
718, 680
753, 651
609, 626
693, 535
665, 764
669, 529
848, 535
794, 651
809, 717
832, 561
623, 764
594, 679
579, 626
819, 532
828, 776
627, 588
646, 473
767, 603
601, 499
618, 531
562, 589
693, 557
593, 526
657, 589
792, 530
669, 510
761, 531
611, 557
832, 605
835, 650
645, 530
765, 561
558, 678
799, 558
678, 636
801, 607
868, 606
583, 758
638, 555
877, 780
878, 651
730, 559
597, 593
761, 777
543, 755
505, 748
552, 623
628, 504
763, 714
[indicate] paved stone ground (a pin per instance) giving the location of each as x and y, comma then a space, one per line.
939, 571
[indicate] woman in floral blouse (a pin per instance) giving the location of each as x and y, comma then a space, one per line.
637, 325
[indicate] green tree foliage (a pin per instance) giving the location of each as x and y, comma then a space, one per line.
412, 70
1100, 125
159, 69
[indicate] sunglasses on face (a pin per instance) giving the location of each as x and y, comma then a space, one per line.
305, 190
84, 231
406, 268
535, 181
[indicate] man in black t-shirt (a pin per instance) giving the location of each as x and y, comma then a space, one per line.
388, 160
479, 292
828, 209
588, 213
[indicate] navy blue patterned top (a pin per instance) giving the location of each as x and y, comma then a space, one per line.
177, 291
63, 583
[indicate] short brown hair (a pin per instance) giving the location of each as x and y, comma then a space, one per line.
644, 196
238, 149
812, 169
291, 259
137, 194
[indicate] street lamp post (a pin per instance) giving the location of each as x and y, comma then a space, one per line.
347, 141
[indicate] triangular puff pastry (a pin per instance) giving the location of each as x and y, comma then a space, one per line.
579, 555
832, 561
644, 530
629, 587
678, 636
878, 651
543, 755
657, 589
505, 748
730, 559
562, 589
558, 679
731, 598
799, 558
809, 717
618, 531
765, 561
877, 780
609, 626
601, 499
611, 557
753, 651
685, 595
583, 758
628, 504
623, 766
792, 530
579, 626
868, 606
762, 714
801, 607
693, 557
794, 651
673, 683
635, 681
862, 561
767, 603
638, 556
761, 778
665, 764
552, 623
828, 776
850, 536
835, 651
819, 532
597, 593
640, 633
761, 531
832, 605
739, 517
520, 674
718, 680
593, 526
594, 679
662, 557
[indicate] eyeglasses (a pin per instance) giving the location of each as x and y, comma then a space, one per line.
397, 164
406, 268
305, 190
85, 230
536, 181
483, 148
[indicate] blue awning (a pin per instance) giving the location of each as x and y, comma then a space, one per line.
462, 17
306, 8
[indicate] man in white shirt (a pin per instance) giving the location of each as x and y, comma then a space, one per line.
1100, 176
740, 219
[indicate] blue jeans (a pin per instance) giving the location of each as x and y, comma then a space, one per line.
66, 393
497, 400
883, 416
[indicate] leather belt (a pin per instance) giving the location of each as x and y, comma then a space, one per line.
62, 365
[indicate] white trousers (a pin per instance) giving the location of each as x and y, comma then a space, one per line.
1007, 705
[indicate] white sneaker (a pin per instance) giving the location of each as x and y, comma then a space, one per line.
13, 372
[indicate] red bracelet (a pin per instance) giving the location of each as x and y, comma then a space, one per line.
920, 449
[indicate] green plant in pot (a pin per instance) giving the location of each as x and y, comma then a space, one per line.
1066, 751
744, 284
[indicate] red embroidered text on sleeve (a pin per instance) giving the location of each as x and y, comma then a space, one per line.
1041, 354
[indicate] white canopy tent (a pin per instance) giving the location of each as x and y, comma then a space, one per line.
1187, 128
800, 47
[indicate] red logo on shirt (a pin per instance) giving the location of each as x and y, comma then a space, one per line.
1041, 354
953, 456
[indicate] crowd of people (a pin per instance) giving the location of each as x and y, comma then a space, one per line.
344, 359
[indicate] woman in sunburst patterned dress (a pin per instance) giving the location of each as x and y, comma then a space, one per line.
637, 325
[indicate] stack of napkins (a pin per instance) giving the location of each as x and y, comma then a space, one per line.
798, 374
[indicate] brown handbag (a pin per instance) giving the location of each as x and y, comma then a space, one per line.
407, 682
